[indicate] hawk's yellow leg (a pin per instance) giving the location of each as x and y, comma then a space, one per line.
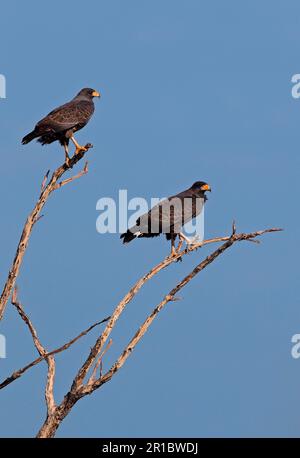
67, 157
78, 147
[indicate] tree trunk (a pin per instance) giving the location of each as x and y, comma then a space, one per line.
53, 420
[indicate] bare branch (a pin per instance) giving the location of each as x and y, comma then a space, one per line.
17, 374
49, 390
30, 222
14, 300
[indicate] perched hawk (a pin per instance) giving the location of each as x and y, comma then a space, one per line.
168, 216
61, 123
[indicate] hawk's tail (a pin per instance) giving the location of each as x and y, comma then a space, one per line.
127, 236
29, 137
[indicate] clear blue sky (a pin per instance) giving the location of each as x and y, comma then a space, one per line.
196, 90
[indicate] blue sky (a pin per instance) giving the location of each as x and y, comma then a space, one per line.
191, 91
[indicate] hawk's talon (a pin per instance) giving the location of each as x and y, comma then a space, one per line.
194, 241
173, 253
190, 243
81, 149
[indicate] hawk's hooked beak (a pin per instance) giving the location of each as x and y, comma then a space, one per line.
205, 187
96, 94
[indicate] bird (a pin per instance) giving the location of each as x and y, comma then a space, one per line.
170, 215
61, 123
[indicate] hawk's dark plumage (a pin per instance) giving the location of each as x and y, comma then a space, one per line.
170, 215
61, 123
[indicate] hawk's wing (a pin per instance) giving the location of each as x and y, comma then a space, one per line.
169, 215
68, 116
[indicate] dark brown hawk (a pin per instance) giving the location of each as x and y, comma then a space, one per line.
170, 215
61, 123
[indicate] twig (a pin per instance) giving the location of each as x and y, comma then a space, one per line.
98, 363
45, 180
75, 177
30, 222
19, 307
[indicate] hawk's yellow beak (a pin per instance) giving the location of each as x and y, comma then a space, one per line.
205, 187
96, 94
